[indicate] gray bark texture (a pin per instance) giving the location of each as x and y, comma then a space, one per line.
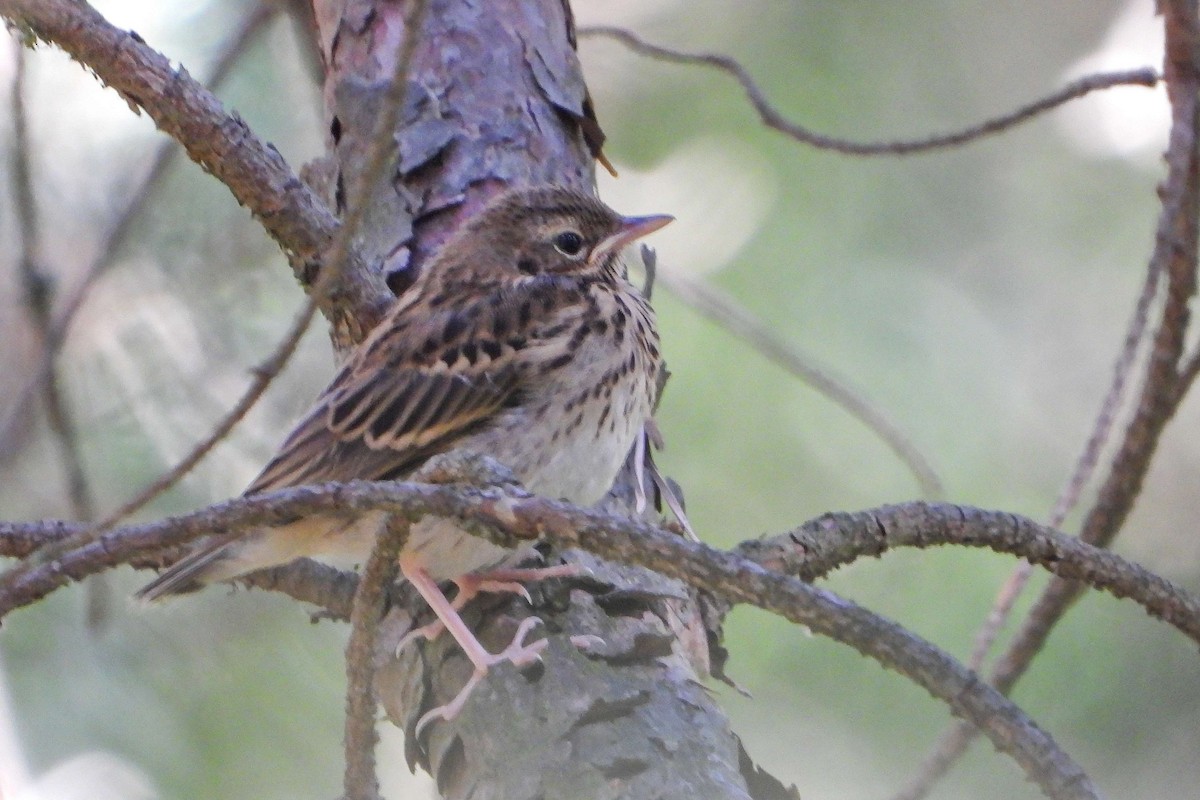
495, 98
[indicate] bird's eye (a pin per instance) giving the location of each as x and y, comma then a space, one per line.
569, 243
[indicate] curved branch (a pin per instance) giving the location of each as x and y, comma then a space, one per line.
774, 119
818, 547
510, 519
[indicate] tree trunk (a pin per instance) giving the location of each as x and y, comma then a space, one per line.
496, 98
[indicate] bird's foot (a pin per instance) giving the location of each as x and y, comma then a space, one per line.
497, 581
518, 653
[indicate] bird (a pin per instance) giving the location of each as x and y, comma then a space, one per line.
522, 340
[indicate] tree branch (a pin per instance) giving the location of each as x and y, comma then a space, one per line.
774, 119
831, 541
122, 223
509, 519
1163, 388
361, 782
220, 143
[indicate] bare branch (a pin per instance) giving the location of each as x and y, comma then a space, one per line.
1175, 251
220, 143
360, 739
725, 311
38, 297
509, 519
115, 237
834, 540
997, 617
772, 118
1085, 466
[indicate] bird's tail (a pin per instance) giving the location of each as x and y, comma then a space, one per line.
190, 573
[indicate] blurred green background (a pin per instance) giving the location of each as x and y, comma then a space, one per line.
978, 295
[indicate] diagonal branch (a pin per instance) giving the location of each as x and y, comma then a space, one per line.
221, 143
118, 230
1085, 465
774, 119
722, 309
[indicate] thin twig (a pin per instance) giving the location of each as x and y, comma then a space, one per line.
360, 780
774, 119
222, 143
997, 617
118, 231
360, 737
1163, 389
1085, 466
38, 297
726, 312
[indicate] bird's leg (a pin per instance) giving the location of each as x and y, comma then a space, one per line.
493, 580
517, 652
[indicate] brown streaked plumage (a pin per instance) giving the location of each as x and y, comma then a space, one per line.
522, 340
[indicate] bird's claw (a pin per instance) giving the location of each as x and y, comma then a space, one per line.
518, 653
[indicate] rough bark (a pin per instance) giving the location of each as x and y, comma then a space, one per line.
496, 98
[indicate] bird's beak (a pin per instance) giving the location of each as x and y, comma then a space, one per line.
631, 229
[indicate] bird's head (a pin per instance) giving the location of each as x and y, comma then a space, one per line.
552, 230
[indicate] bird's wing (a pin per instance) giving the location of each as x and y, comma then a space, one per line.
418, 382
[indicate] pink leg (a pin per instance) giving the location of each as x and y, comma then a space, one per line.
495, 580
517, 652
